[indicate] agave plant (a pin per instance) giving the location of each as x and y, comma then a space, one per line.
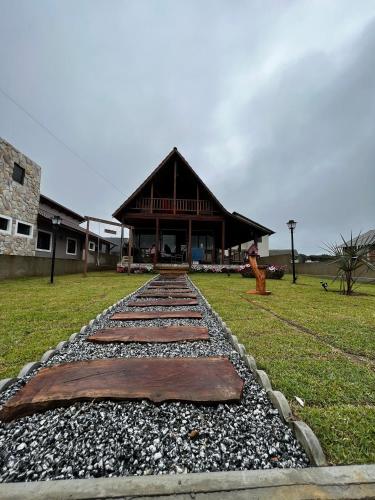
349, 257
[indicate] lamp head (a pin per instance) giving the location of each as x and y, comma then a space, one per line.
56, 220
291, 224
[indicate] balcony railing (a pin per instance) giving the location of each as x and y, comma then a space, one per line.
166, 205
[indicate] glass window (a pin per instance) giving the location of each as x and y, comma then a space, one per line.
18, 173
24, 229
92, 246
44, 241
5, 224
71, 246
146, 240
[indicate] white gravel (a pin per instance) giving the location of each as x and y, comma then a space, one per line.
107, 438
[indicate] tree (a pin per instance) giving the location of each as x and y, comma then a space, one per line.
349, 257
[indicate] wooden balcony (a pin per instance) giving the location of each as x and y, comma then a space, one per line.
167, 205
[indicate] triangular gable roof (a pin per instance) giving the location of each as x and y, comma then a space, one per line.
235, 215
157, 169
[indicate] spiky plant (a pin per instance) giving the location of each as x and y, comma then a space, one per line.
349, 257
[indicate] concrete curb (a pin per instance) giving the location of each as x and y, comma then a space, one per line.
5, 383
28, 368
343, 482
47, 355
303, 432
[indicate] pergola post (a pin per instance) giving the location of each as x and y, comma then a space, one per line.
86, 247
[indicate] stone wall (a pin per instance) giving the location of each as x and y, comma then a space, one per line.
18, 201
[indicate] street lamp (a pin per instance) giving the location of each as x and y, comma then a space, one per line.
292, 225
56, 221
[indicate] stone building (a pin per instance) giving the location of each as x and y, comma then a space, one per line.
26, 216
19, 201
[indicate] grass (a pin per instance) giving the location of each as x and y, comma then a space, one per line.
327, 357
35, 316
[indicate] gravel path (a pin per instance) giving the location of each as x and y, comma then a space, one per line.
107, 438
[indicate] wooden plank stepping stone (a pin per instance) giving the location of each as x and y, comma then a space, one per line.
173, 294
163, 302
161, 285
160, 334
135, 315
200, 380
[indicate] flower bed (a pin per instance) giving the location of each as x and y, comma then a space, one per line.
214, 268
136, 268
273, 272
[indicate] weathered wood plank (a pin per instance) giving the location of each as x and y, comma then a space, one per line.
165, 293
163, 302
160, 334
135, 315
200, 380
169, 286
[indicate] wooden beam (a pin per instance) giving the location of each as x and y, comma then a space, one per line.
86, 246
152, 197
208, 218
104, 221
189, 244
222, 241
197, 199
174, 186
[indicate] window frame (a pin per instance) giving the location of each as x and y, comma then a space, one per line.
15, 165
21, 235
50, 241
66, 247
92, 249
9, 219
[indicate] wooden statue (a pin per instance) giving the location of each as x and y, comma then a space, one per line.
259, 271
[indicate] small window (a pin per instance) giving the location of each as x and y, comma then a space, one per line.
18, 173
71, 246
5, 224
44, 241
92, 246
24, 229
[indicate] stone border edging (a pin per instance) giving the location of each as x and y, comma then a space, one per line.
33, 365
304, 434
338, 482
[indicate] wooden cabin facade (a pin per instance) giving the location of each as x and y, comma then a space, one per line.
175, 218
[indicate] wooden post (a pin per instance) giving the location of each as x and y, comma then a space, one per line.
122, 242
86, 247
152, 197
230, 256
197, 199
222, 241
130, 245
157, 241
189, 245
174, 187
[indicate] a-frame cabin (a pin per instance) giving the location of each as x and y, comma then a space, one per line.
177, 220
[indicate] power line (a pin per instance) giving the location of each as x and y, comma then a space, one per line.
60, 141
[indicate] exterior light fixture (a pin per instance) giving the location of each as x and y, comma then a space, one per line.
56, 221
292, 225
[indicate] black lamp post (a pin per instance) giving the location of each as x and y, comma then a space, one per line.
56, 221
292, 225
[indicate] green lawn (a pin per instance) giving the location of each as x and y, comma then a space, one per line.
330, 366
35, 316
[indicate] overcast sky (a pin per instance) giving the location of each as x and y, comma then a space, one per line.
271, 102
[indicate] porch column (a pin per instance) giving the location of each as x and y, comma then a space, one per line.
130, 246
222, 241
230, 256
157, 241
189, 245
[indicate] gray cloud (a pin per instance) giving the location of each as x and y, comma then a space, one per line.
271, 102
